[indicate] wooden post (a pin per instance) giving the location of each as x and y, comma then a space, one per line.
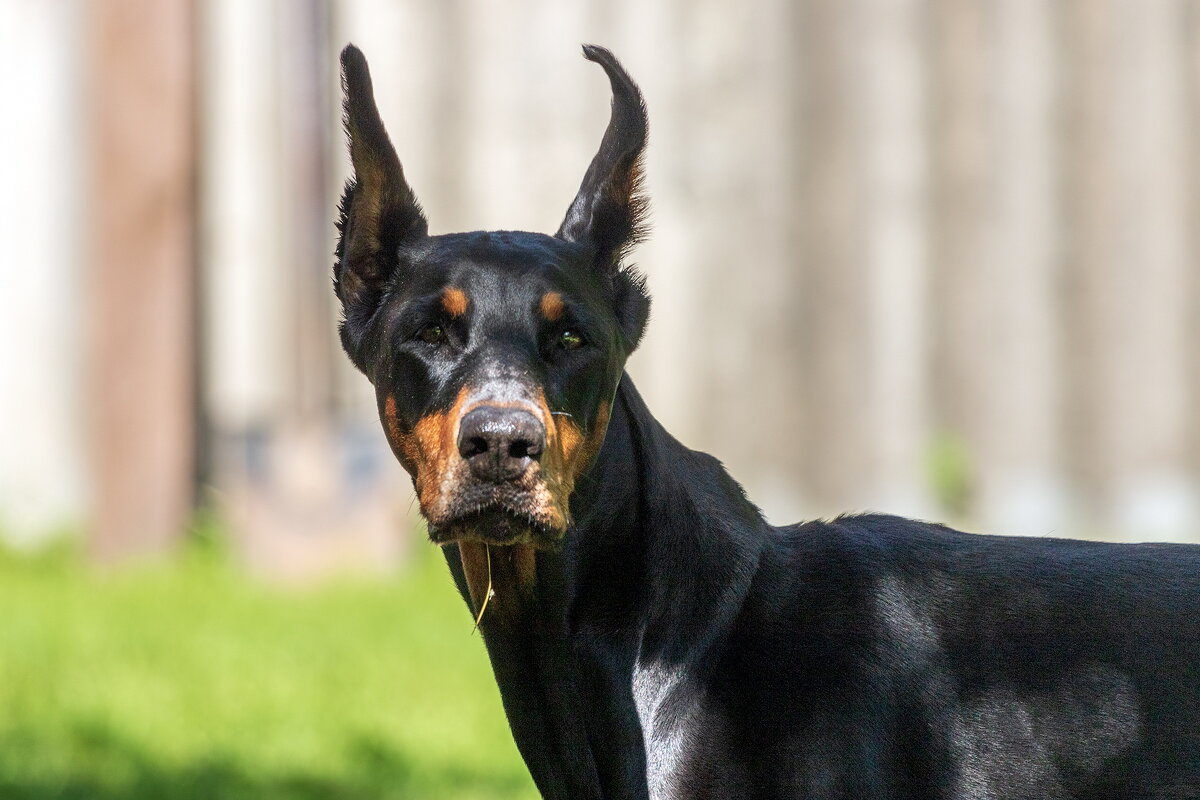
865, 193
735, 101
997, 258
139, 347
41, 461
892, 123
834, 442
1130, 167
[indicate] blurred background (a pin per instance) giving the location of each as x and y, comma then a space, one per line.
936, 257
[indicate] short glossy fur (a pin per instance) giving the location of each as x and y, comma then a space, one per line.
651, 634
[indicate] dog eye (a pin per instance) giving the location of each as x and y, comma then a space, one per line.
570, 340
432, 334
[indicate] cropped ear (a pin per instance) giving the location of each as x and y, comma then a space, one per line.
378, 212
609, 211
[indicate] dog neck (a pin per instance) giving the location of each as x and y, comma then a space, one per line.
654, 569
647, 500
652, 508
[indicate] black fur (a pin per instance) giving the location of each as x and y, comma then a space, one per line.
675, 645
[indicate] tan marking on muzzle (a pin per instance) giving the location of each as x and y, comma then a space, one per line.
402, 442
568, 453
455, 301
430, 454
551, 306
428, 450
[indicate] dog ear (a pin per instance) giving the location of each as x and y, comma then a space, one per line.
609, 209
632, 303
608, 214
378, 212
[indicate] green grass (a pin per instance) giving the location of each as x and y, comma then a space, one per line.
192, 681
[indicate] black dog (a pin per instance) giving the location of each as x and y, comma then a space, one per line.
652, 636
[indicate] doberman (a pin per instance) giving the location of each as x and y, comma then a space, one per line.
652, 636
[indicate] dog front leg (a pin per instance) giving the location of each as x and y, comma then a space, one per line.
606, 664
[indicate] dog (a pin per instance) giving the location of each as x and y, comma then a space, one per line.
651, 635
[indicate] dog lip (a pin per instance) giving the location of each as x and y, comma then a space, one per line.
475, 524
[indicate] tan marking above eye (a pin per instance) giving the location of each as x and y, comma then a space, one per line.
552, 306
455, 301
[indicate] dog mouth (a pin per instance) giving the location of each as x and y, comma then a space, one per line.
495, 523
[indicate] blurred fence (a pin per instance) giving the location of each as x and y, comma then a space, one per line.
929, 256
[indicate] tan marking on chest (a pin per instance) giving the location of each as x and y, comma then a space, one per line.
509, 572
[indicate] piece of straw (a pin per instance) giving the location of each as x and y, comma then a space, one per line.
487, 595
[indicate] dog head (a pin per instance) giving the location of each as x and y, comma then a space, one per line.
495, 356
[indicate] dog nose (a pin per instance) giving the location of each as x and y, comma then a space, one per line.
500, 444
